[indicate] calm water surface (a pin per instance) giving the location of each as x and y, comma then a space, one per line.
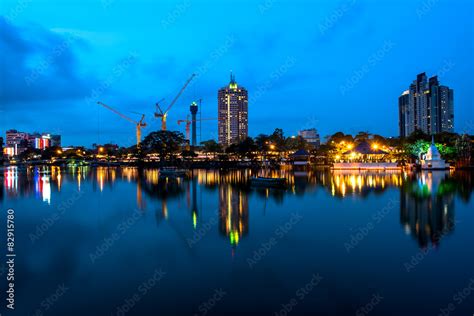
119, 241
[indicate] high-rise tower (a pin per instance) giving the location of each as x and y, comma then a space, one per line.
427, 106
232, 107
194, 109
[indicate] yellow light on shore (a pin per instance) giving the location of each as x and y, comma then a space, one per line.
101, 149
375, 146
272, 147
349, 146
59, 151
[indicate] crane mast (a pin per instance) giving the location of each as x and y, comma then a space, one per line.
164, 114
138, 124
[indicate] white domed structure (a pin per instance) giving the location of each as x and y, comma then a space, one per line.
432, 159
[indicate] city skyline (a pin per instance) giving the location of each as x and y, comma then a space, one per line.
331, 174
318, 73
430, 104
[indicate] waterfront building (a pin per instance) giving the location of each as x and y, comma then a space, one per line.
311, 136
426, 106
364, 152
17, 142
232, 104
55, 140
300, 157
365, 157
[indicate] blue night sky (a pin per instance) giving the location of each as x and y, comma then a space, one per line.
333, 65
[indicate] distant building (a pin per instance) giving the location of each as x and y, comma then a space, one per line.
17, 142
44, 140
427, 106
55, 140
232, 113
403, 102
311, 136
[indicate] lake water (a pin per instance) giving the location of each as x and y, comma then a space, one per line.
119, 241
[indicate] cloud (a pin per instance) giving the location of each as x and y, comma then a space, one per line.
38, 64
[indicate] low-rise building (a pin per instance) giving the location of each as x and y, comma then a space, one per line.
17, 142
311, 136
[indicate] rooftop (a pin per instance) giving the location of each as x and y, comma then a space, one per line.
364, 148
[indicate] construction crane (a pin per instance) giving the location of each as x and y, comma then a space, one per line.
163, 114
138, 124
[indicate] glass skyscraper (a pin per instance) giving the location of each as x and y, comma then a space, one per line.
427, 106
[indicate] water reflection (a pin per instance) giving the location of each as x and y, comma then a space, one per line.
427, 207
427, 199
344, 183
233, 213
